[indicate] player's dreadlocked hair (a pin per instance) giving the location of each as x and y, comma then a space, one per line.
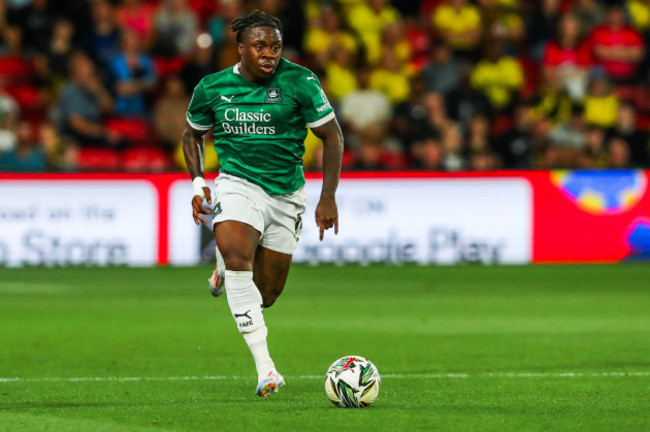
257, 18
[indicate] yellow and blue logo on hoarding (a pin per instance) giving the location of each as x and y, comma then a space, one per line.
602, 192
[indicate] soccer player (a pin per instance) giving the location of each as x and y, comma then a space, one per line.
259, 111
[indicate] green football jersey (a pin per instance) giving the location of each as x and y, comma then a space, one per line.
260, 129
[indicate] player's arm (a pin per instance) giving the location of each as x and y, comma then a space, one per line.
326, 212
193, 151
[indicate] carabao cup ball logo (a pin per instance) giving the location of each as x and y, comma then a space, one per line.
602, 192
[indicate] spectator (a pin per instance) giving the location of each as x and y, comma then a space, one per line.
459, 24
341, 77
35, 22
428, 155
199, 65
501, 20
133, 75
218, 24
10, 37
136, 15
483, 160
394, 39
498, 77
374, 150
479, 134
569, 56
637, 138
364, 106
104, 37
9, 113
639, 13
601, 103
589, 13
552, 100
436, 119
226, 53
618, 48
571, 134
443, 73
328, 33
541, 24
292, 16
175, 28
452, 144
27, 156
169, 112
596, 155
409, 117
10, 40
367, 19
515, 145
60, 49
390, 78
466, 102
619, 153
62, 153
83, 101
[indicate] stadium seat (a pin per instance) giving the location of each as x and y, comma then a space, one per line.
169, 66
98, 159
134, 129
146, 159
204, 9
15, 70
27, 97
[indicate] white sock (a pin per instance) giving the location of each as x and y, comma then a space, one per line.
245, 303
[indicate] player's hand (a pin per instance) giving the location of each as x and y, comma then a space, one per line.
327, 215
198, 208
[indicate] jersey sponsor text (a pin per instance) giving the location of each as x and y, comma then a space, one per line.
244, 127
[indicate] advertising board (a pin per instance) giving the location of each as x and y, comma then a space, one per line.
67, 222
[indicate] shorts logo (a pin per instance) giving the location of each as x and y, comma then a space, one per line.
217, 209
273, 95
298, 227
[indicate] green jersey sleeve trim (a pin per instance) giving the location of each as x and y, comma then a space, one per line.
196, 126
322, 121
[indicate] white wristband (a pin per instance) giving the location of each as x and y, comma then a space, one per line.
198, 184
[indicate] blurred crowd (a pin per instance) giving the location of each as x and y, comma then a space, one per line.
429, 85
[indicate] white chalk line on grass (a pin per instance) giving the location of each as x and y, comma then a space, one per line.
314, 377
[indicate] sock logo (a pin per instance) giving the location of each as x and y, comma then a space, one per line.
244, 324
245, 314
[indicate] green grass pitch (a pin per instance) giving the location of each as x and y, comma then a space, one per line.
465, 348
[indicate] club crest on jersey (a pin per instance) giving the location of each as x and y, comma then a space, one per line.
273, 95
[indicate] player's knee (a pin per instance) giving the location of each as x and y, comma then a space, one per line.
236, 261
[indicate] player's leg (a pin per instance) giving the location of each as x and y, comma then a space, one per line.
270, 272
237, 242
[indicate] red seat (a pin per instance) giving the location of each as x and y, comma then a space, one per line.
136, 130
146, 159
98, 159
204, 9
169, 66
26, 96
15, 70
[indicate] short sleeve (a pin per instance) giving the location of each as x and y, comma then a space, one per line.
199, 114
315, 107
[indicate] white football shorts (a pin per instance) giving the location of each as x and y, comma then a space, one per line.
278, 218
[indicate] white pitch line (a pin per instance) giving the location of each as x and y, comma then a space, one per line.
314, 377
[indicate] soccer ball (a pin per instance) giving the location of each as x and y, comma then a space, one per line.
352, 382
